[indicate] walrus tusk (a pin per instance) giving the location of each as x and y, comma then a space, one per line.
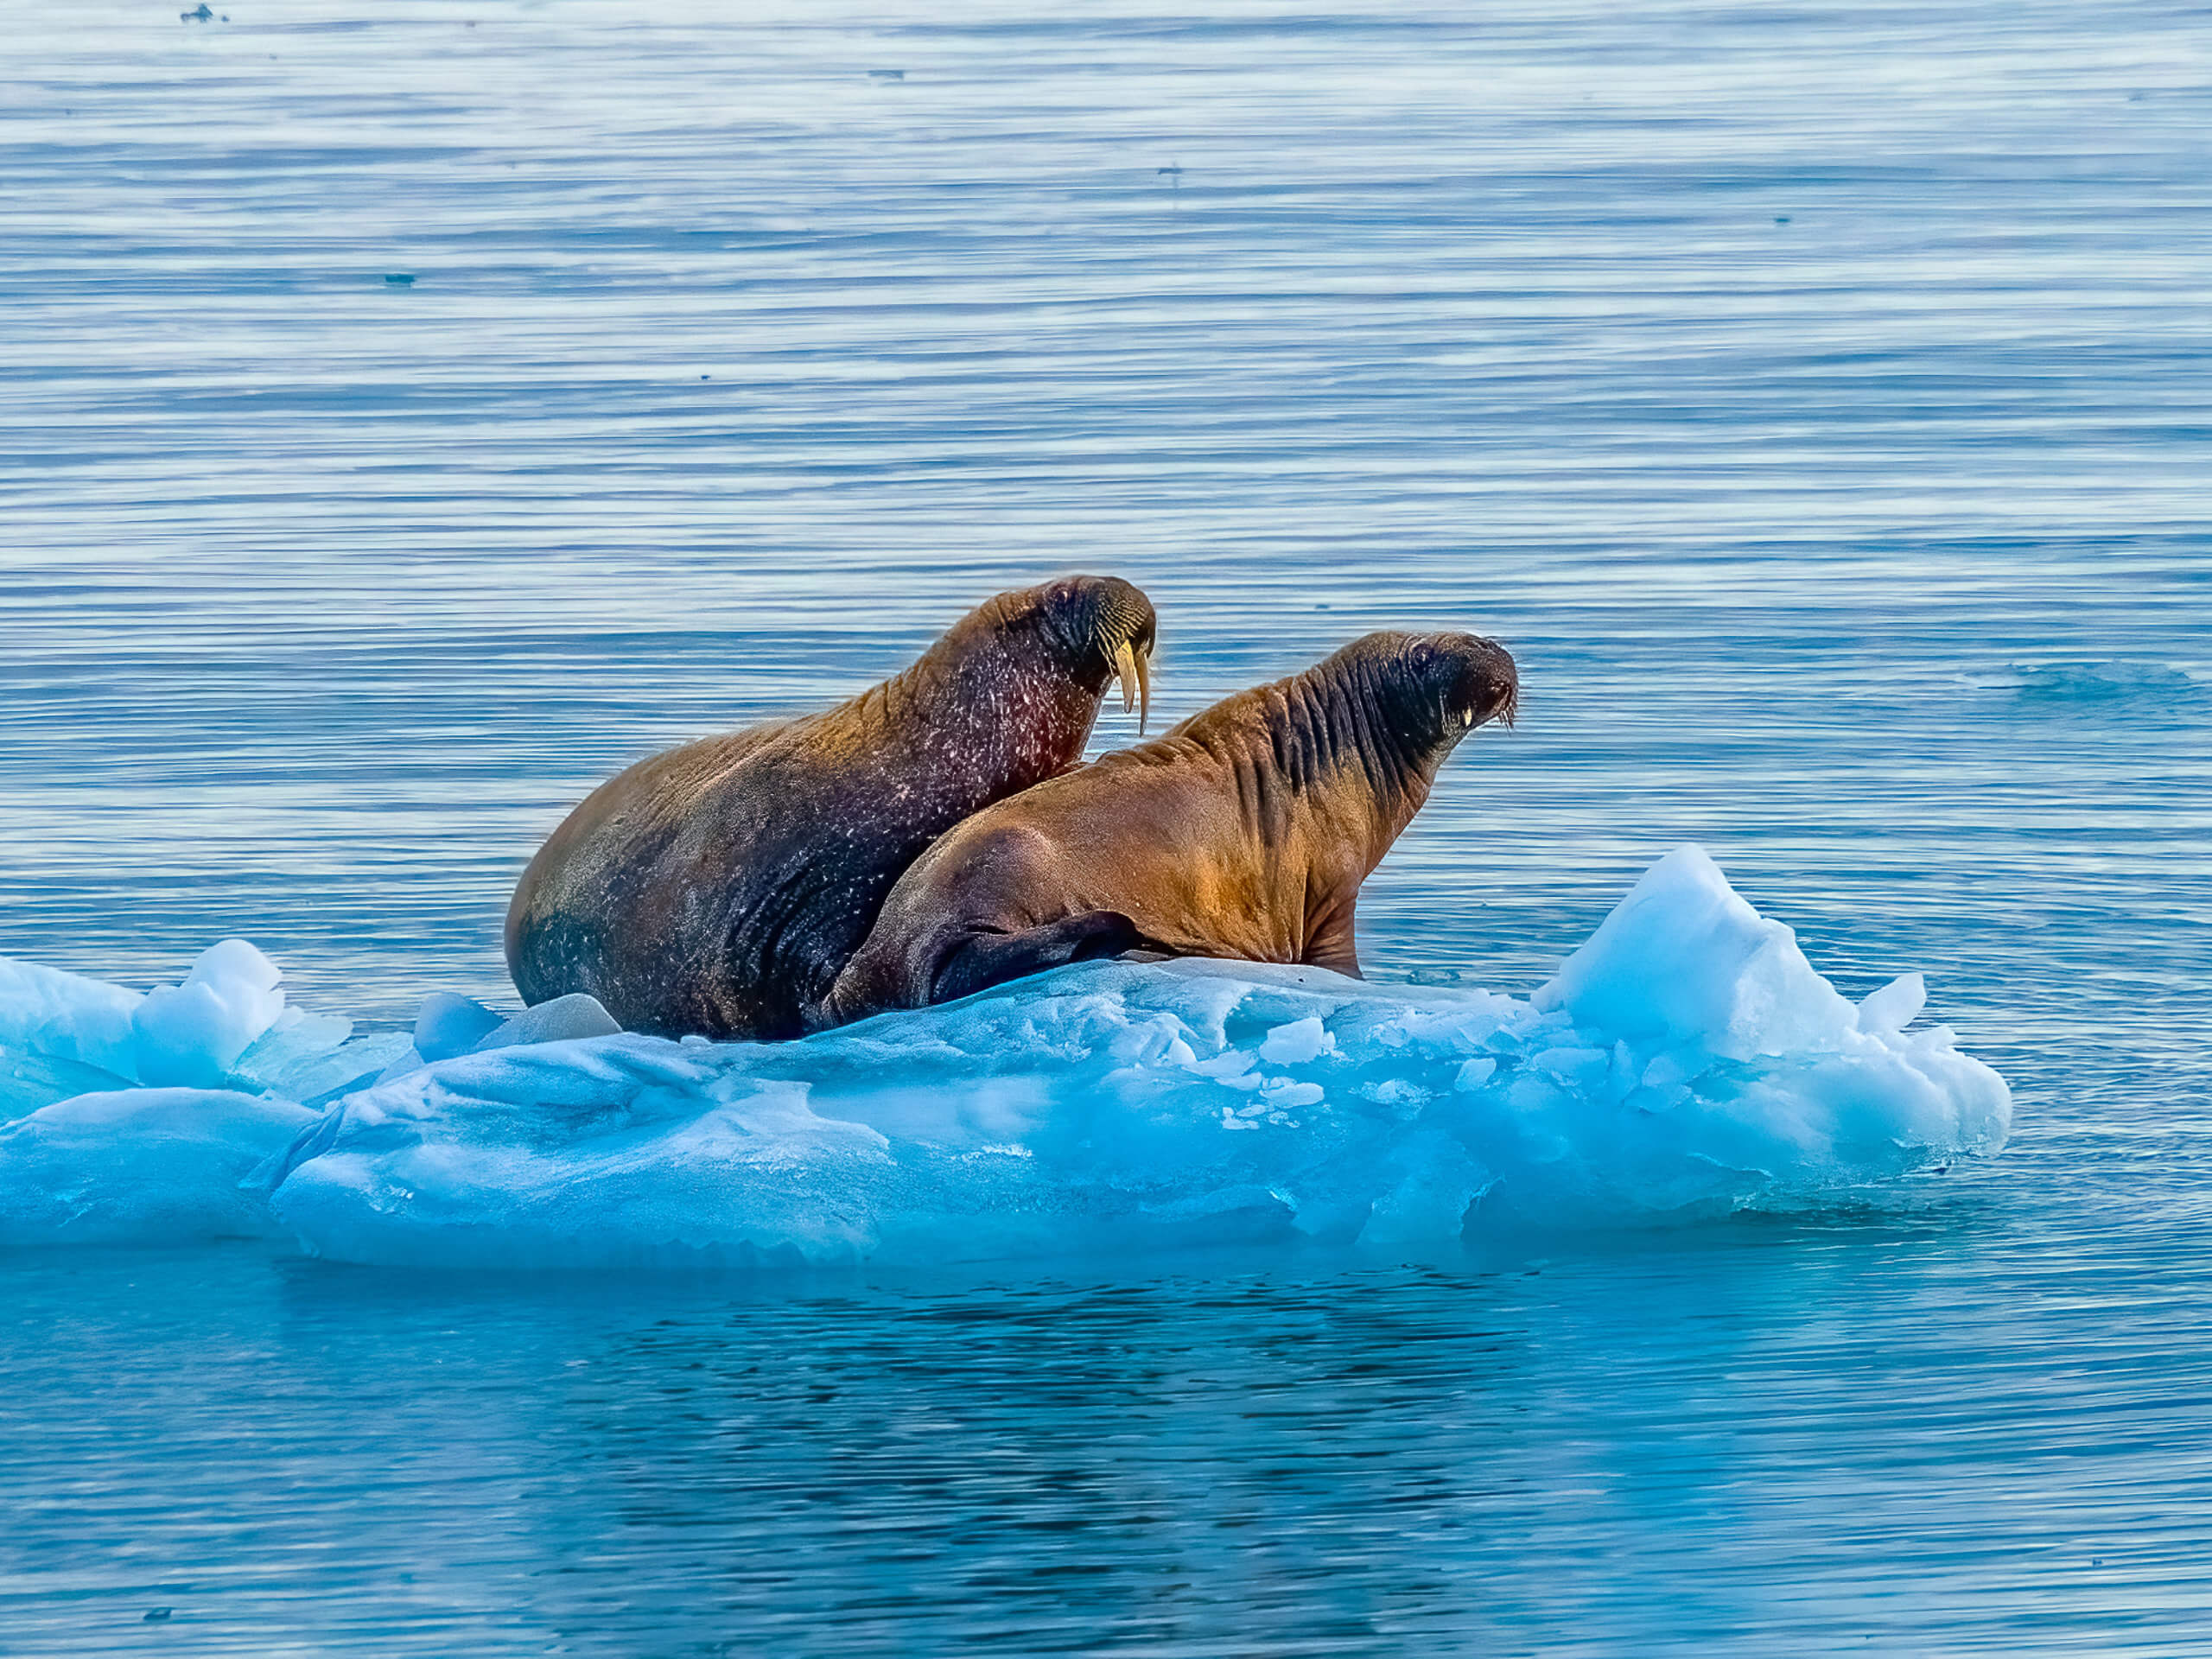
1144, 689
1125, 660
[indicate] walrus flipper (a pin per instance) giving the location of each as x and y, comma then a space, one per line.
982, 960
1334, 947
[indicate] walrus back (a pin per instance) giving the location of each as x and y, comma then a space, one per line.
614, 904
720, 887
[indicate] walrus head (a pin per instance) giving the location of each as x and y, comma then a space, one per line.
1107, 627
1464, 679
1433, 689
1016, 683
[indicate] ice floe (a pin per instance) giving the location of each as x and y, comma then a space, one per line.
1685, 1061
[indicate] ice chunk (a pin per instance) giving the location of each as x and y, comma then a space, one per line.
1297, 1042
68, 1017
562, 1020
29, 1080
628, 1150
193, 1033
141, 1165
1684, 959
304, 1056
1441, 1183
450, 1023
1895, 1006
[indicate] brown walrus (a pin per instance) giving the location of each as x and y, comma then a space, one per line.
718, 887
1243, 832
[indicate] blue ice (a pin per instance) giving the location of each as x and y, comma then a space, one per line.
1687, 1061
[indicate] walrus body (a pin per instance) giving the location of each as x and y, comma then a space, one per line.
718, 887
1246, 831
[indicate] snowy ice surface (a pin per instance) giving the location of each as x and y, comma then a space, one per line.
1687, 1061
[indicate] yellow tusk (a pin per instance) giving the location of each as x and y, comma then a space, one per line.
1125, 661
1144, 689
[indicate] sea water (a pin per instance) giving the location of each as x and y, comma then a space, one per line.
417, 412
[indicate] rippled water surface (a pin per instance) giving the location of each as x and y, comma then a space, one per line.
1814, 399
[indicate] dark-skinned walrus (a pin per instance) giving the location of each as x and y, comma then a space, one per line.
719, 888
1243, 832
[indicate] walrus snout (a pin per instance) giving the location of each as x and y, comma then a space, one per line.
1457, 681
1113, 620
1489, 685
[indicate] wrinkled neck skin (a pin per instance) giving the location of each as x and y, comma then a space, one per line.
996, 704
1328, 736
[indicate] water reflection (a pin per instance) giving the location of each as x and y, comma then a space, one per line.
1650, 1435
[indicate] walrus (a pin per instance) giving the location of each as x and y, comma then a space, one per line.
718, 888
1245, 832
